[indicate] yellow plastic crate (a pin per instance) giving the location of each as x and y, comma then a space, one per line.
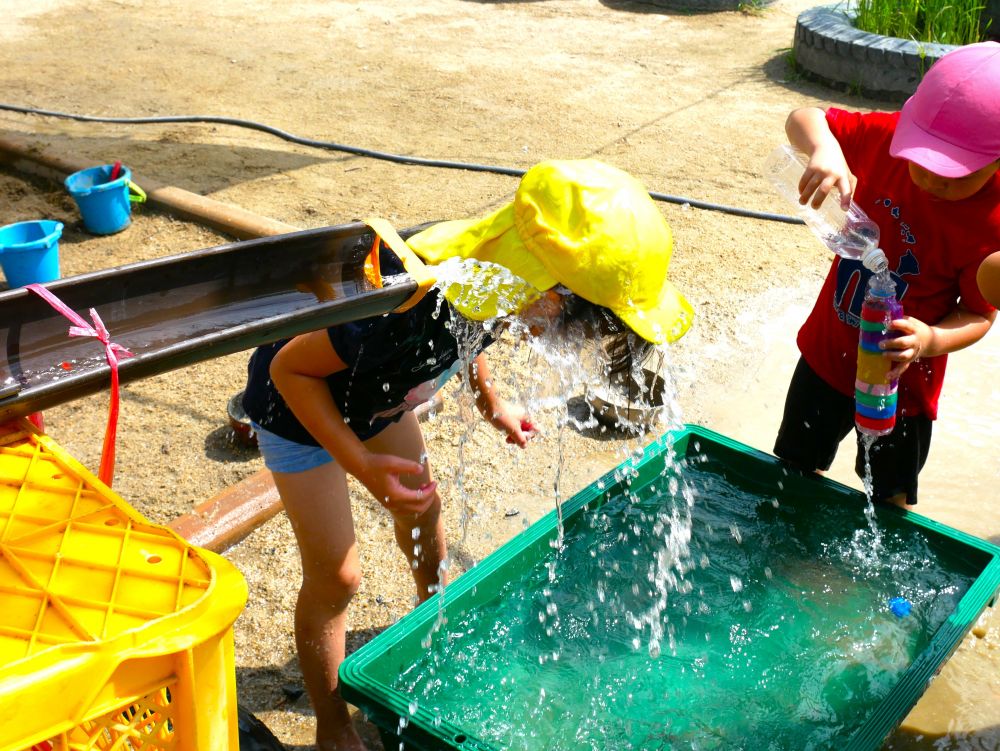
115, 633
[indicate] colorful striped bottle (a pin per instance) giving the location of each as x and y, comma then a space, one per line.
874, 392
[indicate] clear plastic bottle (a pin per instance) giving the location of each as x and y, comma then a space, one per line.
850, 234
874, 393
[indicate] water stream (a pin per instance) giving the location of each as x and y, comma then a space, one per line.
561, 364
867, 442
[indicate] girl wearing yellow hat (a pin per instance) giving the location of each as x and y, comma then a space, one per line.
582, 248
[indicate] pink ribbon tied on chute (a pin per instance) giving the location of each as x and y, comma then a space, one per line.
112, 352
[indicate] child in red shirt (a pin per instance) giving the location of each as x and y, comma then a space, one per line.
928, 175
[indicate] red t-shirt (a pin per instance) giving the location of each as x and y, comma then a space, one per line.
934, 249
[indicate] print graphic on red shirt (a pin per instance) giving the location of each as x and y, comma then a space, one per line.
852, 280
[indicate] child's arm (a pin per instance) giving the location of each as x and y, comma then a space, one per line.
299, 371
809, 132
988, 279
502, 415
957, 330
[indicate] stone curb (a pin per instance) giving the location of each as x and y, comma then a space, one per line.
829, 48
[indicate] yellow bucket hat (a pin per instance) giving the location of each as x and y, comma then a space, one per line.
580, 223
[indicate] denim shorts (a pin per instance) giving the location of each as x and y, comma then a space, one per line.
282, 455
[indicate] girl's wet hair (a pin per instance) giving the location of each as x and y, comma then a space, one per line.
625, 350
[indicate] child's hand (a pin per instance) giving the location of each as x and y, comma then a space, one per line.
513, 420
521, 437
827, 170
380, 473
914, 338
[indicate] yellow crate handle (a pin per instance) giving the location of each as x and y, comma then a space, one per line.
416, 268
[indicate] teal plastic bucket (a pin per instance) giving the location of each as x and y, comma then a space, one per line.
105, 204
29, 252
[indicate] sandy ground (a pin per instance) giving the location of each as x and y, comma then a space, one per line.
688, 103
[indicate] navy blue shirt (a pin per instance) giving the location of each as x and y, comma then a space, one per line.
395, 362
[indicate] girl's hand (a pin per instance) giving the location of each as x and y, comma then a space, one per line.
914, 339
506, 417
521, 437
380, 473
513, 420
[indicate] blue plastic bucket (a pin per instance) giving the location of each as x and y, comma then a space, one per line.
105, 204
29, 252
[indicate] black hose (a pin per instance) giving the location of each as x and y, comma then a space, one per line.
358, 151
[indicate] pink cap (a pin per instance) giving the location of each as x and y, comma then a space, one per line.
951, 125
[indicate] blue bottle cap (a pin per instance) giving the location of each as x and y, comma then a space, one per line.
900, 607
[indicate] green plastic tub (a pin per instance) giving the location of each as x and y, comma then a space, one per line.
701, 596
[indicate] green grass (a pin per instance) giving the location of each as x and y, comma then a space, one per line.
940, 21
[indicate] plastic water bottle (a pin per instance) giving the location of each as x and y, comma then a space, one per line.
849, 234
874, 393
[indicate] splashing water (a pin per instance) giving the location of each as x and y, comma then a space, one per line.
561, 364
649, 614
766, 605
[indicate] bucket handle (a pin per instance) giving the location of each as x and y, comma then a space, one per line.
135, 193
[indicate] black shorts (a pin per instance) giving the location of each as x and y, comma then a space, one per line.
817, 418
